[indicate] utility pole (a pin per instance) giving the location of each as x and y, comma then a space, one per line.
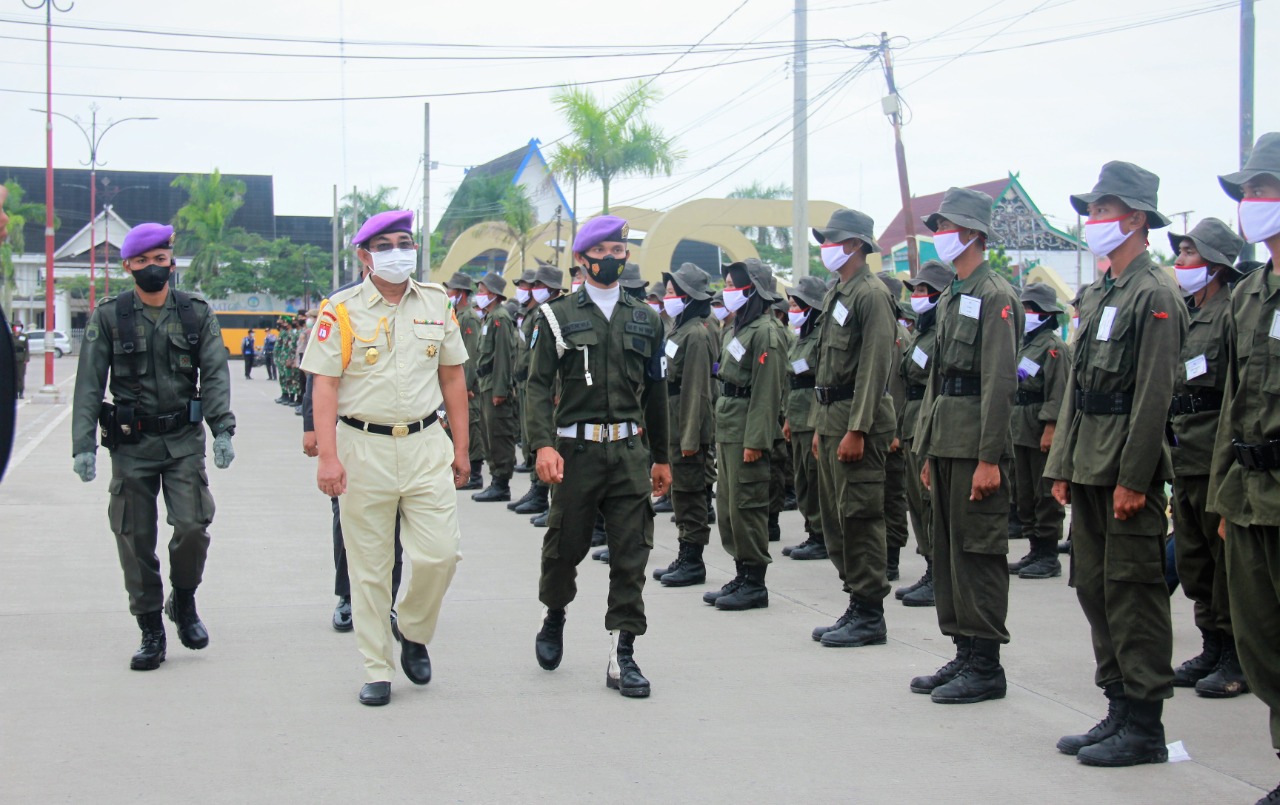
559, 243
425, 272
1246, 95
800, 147
892, 106
337, 277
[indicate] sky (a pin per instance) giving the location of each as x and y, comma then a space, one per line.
1048, 89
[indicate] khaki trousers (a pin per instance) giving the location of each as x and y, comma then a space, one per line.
411, 475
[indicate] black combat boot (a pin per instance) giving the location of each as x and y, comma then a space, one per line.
1045, 563
689, 568
848, 615
1274, 797
892, 557
865, 628
475, 481
1117, 715
549, 646
598, 535
662, 570
789, 500
815, 547
1201, 665
1227, 680
730, 587
948, 672
523, 467
1016, 567
980, 679
751, 594
922, 596
540, 521
498, 491
622, 674
540, 501
151, 653
181, 609
533, 485
775, 530
711, 506
663, 505
927, 578
1139, 740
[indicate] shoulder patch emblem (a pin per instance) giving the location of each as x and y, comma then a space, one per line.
640, 315
92, 333
214, 327
323, 330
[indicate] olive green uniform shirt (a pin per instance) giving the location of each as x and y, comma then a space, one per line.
690, 350
498, 353
1046, 360
752, 357
1204, 368
917, 354
469, 327
802, 361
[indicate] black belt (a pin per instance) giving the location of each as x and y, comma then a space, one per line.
673, 389
803, 382
522, 375
484, 371
1265, 456
1028, 397
915, 392
390, 430
962, 386
730, 390
828, 395
1194, 403
1097, 402
164, 423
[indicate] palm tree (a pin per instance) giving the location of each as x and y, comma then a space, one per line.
766, 236
569, 161
358, 207
19, 213
204, 221
519, 219
613, 141
478, 199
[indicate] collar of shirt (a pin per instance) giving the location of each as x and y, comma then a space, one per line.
966, 285
604, 298
371, 295
1142, 263
845, 285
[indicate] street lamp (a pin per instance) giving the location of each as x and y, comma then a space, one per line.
111, 192
94, 139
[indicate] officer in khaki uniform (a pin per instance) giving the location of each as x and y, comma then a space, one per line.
895, 462
1244, 483
496, 367
1044, 362
926, 289
545, 283
604, 442
853, 425
802, 366
460, 288
1203, 268
964, 433
1110, 460
752, 365
385, 355
163, 354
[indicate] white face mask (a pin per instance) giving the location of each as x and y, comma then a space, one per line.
797, 317
522, 296
905, 324
541, 295
395, 265
657, 308
1033, 321
734, 298
721, 313
1259, 218
923, 304
674, 305
1104, 237
833, 256
482, 301
1192, 279
948, 245
576, 285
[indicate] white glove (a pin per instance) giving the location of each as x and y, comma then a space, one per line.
223, 455
86, 466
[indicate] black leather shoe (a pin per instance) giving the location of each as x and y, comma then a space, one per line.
342, 615
499, 491
415, 661
375, 694
151, 652
181, 609
549, 645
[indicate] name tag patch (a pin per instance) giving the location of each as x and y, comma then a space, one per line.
1106, 323
970, 306
671, 348
840, 313
1197, 366
1028, 367
737, 350
920, 357
800, 367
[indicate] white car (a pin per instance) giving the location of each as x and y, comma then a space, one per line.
61, 343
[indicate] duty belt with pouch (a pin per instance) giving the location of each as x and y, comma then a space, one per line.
596, 432
1202, 400
1265, 456
121, 423
828, 395
1104, 403
484, 371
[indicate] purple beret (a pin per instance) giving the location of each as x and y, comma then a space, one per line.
598, 230
382, 223
145, 237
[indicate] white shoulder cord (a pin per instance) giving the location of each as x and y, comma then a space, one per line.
561, 346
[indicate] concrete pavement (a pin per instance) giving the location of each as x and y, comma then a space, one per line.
746, 708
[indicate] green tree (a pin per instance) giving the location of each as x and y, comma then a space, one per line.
765, 235
610, 142
477, 200
359, 206
1002, 264
204, 222
518, 220
19, 212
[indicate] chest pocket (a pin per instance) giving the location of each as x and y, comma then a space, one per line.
1200, 341
582, 344
837, 338
130, 365
427, 341
1113, 355
960, 351
639, 350
181, 354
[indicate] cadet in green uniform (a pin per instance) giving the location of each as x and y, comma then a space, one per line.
21, 356
690, 351
964, 433
895, 462
460, 288
751, 369
927, 287
546, 285
525, 307
163, 353
496, 370
1110, 461
802, 362
853, 425
1203, 268
1044, 362
780, 469
606, 350
1244, 483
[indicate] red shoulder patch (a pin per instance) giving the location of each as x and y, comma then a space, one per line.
1159, 314
763, 355
1004, 314
322, 331
1053, 353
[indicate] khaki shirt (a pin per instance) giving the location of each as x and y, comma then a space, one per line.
1204, 368
1129, 342
979, 322
1251, 411
690, 350
1045, 360
917, 355
397, 351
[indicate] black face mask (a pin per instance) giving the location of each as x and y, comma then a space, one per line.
606, 270
152, 278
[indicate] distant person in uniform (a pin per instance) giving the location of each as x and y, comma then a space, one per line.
269, 353
250, 350
21, 357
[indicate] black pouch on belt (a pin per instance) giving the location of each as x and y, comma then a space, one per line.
109, 432
127, 424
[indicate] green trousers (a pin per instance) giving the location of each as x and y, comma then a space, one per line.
895, 499
1117, 568
851, 496
689, 495
1198, 553
475, 445
501, 426
970, 542
779, 474
919, 502
526, 453
805, 473
1040, 513
611, 478
20, 377
1253, 572
135, 484
742, 504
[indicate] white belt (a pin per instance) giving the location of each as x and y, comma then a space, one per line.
592, 432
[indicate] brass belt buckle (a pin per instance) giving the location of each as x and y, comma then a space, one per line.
399, 430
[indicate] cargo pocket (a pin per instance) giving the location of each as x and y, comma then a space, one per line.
646, 528
960, 348
181, 358
1135, 548
205, 507
753, 484
551, 537
116, 506
1113, 355
986, 521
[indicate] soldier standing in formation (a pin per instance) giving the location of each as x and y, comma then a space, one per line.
496, 366
543, 284
805, 314
459, 288
161, 353
896, 533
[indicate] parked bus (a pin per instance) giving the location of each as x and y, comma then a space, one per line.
236, 324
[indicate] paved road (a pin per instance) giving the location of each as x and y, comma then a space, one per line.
746, 708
